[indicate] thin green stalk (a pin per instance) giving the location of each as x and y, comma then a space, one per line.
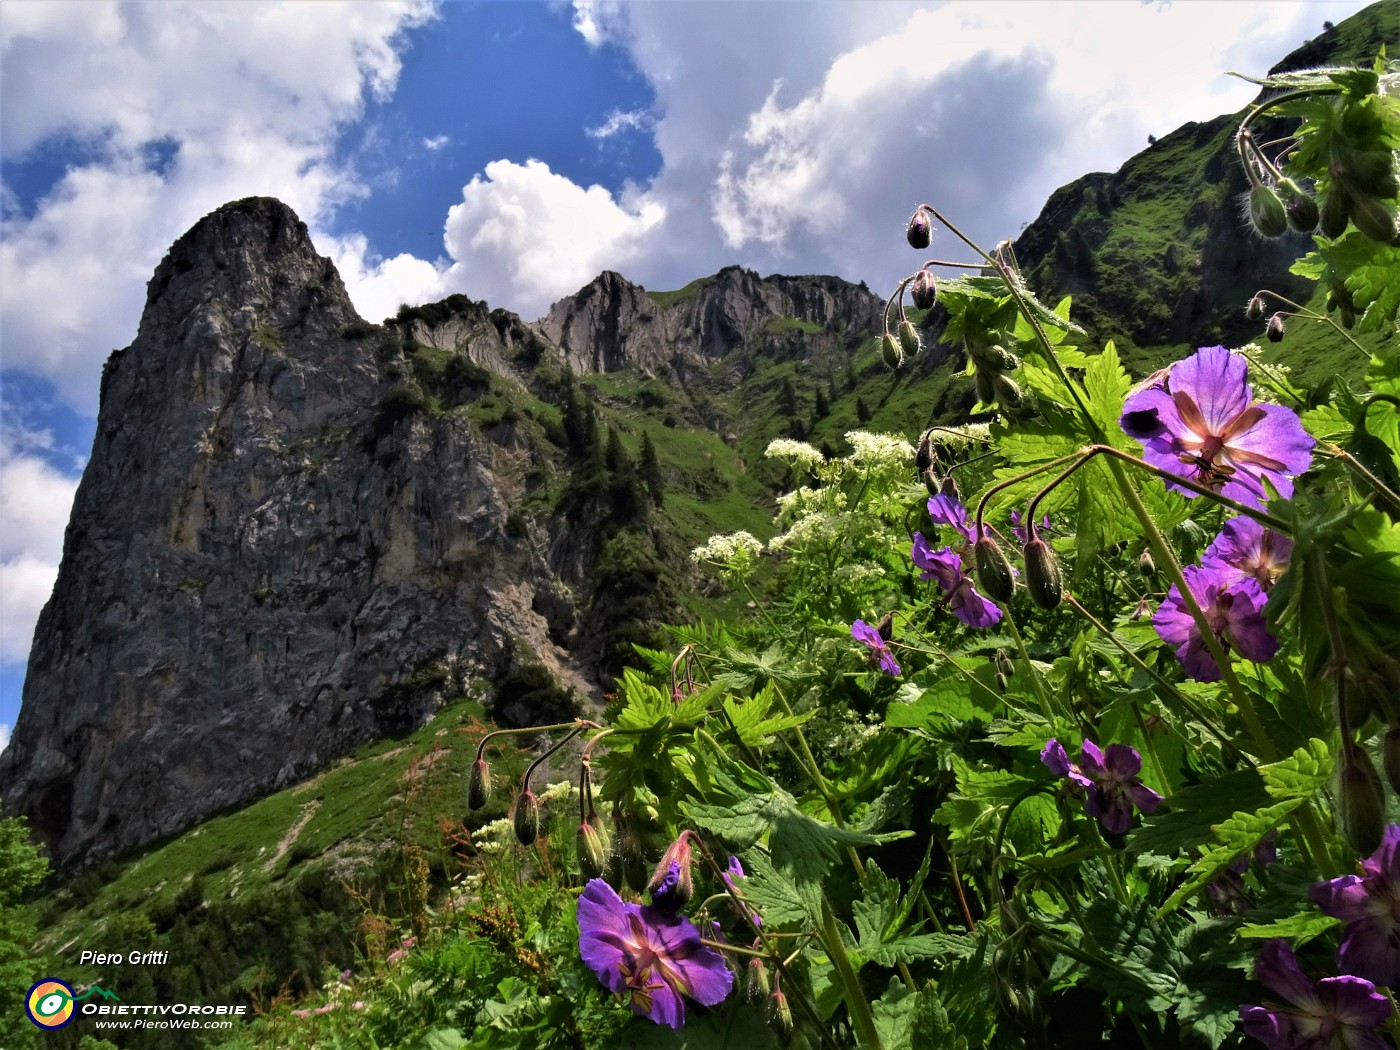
861, 1018
1190, 708
1047, 705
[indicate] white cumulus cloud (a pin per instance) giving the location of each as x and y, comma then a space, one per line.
35, 501
524, 236
178, 108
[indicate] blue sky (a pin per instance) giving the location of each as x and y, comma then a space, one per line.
511, 151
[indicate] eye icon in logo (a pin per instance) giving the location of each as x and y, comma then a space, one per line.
49, 1003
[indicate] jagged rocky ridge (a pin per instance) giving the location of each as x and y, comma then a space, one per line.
287, 541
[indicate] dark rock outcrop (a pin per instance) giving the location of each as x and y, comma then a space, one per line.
276, 551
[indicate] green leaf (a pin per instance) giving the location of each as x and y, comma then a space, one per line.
1188, 816
1234, 837
1302, 927
1300, 775
751, 720
774, 895
1106, 384
800, 844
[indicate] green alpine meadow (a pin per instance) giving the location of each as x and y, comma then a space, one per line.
1007, 658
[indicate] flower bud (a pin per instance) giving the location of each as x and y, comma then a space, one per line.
526, 818
1002, 684
1334, 212
592, 852
479, 785
982, 383
1374, 218
1005, 666
1266, 212
1360, 803
923, 289
1302, 213
1348, 315
1146, 565
923, 455
670, 888
994, 358
1254, 311
1043, 574
1143, 608
1274, 330
932, 482
994, 573
949, 488
885, 628
1372, 173
919, 232
890, 352
909, 340
760, 987
1008, 393
780, 1015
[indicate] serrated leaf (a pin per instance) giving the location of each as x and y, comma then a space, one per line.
1106, 384
1189, 815
800, 844
1300, 928
751, 721
776, 897
1300, 775
1234, 836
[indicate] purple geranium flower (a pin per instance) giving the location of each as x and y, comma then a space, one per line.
655, 959
948, 510
1109, 779
879, 648
1200, 420
945, 567
1227, 891
1335, 1013
1370, 906
1234, 608
1246, 550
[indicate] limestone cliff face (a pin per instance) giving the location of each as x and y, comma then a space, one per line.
612, 323
273, 554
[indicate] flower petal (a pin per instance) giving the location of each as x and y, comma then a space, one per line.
602, 916
1217, 381
1277, 969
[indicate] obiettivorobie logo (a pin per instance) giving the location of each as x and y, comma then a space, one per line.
49, 1003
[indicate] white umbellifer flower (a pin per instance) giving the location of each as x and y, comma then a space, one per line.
796, 452
811, 530
879, 449
725, 547
858, 572
562, 789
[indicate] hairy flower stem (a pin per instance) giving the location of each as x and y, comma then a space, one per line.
1008, 482
1298, 310
861, 1018
525, 780
1166, 687
577, 725
1047, 703
1353, 464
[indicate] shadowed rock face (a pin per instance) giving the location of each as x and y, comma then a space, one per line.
269, 560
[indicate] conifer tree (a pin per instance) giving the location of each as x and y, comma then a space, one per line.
650, 469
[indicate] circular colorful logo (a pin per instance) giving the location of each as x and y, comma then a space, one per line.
49, 1003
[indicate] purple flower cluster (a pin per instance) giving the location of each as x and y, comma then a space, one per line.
1230, 585
1343, 1011
657, 960
1334, 1013
1109, 779
948, 567
1198, 419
